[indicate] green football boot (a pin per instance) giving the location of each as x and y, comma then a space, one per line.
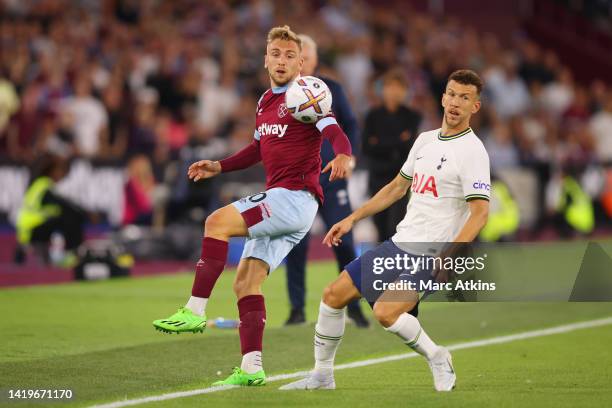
239, 377
183, 321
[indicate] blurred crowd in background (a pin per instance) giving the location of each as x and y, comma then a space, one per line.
155, 85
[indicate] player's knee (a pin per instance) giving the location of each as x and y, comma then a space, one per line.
385, 313
214, 224
332, 298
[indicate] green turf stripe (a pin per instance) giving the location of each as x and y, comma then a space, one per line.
476, 196
319, 335
404, 175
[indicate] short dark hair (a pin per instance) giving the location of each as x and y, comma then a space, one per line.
467, 77
395, 75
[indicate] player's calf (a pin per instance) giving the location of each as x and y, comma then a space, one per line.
250, 276
408, 328
387, 312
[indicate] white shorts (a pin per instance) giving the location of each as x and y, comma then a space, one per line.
277, 219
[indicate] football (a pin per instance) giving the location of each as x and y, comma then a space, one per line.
308, 99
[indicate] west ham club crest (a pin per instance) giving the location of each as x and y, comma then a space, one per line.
282, 110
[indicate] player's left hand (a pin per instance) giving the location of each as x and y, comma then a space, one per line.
203, 169
337, 231
340, 167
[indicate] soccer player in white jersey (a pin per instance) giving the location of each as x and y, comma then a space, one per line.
448, 173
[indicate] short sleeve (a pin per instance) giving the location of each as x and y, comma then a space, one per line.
475, 174
256, 135
408, 167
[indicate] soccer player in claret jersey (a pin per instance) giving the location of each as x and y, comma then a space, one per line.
448, 170
273, 221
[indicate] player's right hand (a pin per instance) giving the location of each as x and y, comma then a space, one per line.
203, 169
337, 231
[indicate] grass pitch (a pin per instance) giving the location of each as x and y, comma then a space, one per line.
96, 339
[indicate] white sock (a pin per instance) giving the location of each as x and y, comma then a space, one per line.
251, 362
197, 305
328, 335
408, 328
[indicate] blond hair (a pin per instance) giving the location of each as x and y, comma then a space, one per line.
284, 33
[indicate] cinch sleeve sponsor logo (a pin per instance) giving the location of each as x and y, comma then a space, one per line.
272, 130
479, 185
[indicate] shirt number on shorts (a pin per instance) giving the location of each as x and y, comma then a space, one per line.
255, 198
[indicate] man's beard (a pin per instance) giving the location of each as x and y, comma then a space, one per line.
280, 82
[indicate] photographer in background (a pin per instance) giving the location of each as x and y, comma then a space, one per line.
44, 213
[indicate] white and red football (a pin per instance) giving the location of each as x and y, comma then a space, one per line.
308, 99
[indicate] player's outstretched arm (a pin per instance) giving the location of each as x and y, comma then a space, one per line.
382, 200
246, 157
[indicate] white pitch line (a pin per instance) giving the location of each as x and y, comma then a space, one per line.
460, 346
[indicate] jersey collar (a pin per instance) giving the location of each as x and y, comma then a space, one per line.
279, 89
455, 136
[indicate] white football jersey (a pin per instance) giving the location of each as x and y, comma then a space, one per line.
446, 172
